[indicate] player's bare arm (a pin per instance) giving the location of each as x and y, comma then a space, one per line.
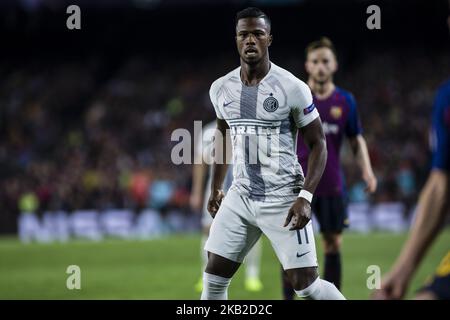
300, 212
434, 202
219, 167
359, 148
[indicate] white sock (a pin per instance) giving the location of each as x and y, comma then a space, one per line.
320, 290
253, 261
215, 287
203, 252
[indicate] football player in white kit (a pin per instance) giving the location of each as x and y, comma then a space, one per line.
263, 106
199, 201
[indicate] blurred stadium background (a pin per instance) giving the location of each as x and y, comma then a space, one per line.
86, 118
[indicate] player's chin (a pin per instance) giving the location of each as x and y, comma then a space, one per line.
251, 60
321, 80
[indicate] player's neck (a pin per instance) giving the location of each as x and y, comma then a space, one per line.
321, 90
251, 75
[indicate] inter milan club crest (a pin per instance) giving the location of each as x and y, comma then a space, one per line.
270, 104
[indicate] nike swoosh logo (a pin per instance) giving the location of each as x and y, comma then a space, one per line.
301, 255
226, 104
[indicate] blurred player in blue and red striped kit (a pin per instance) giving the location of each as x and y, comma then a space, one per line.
432, 209
338, 111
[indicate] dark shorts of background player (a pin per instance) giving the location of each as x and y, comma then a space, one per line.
440, 283
331, 212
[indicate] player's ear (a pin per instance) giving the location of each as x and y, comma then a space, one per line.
270, 40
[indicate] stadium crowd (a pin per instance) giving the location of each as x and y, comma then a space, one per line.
97, 135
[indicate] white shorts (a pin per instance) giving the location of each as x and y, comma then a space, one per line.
240, 222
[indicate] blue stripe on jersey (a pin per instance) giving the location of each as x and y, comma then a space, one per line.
353, 126
249, 99
228, 179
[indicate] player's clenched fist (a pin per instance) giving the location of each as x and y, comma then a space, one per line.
393, 286
299, 214
214, 202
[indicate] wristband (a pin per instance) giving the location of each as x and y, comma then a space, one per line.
306, 195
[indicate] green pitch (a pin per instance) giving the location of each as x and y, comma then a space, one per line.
168, 268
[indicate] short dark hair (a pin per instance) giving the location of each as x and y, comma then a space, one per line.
323, 42
252, 12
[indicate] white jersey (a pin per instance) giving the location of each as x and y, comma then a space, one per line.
263, 121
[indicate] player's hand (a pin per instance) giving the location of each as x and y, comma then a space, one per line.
371, 183
214, 202
393, 286
195, 202
299, 214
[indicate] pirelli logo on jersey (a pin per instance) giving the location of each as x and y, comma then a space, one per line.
254, 129
254, 126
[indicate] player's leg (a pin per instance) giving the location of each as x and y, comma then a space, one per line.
333, 265
308, 285
331, 212
217, 277
232, 235
288, 290
296, 250
203, 254
252, 264
305, 279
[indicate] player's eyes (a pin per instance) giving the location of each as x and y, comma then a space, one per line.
242, 36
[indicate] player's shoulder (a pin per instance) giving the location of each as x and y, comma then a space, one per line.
285, 76
232, 76
346, 95
288, 80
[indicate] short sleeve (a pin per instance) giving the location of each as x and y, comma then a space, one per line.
213, 93
353, 126
303, 109
440, 132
